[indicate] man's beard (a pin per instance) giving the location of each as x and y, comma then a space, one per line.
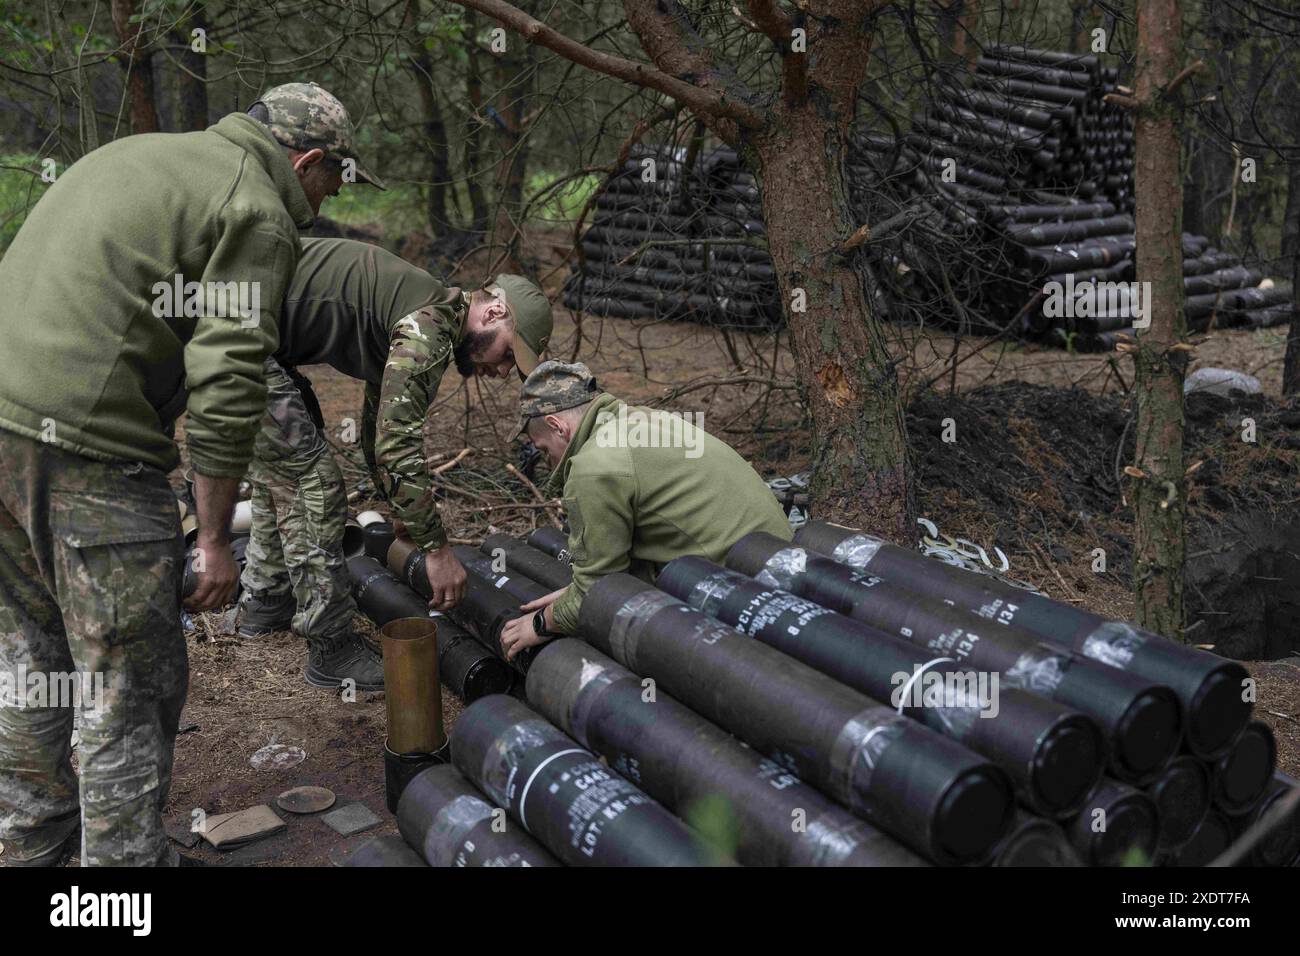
473, 345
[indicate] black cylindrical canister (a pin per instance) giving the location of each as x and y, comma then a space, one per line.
1116, 826
376, 540
926, 790
1140, 719
447, 820
744, 802
1210, 688
401, 769
1210, 839
520, 588
1034, 841
387, 850
1280, 845
551, 541
465, 667
1182, 798
579, 809
1242, 774
528, 561
1053, 754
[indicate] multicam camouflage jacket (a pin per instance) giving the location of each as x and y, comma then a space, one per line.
376, 317
392, 422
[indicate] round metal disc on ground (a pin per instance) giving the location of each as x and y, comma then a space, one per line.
305, 800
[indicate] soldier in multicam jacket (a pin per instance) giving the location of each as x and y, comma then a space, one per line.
96, 366
376, 317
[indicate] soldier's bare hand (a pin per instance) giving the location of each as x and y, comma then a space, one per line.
216, 571
447, 579
546, 600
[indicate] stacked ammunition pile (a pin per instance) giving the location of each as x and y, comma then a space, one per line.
832, 702
1032, 166
678, 239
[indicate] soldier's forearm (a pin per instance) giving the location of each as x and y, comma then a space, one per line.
214, 500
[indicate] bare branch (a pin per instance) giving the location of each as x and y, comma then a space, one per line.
703, 101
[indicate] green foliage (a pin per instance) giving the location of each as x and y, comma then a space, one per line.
19, 192
715, 819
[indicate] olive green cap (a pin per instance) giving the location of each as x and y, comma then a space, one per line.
531, 311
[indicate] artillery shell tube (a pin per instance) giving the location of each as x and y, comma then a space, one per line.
465, 667
553, 542
690, 765
1211, 838
377, 538
1244, 772
1117, 824
447, 820
411, 685
1033, 841
1182, 798
1209, 688
1053, 754
579, 809
926, 790
1281, 845
528, 561
1139, 718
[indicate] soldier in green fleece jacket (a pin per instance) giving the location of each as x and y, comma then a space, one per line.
642, 486
145, 283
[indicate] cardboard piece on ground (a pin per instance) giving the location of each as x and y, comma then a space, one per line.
225, 831
353, 818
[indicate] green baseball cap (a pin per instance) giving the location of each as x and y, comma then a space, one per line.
554, 387
308, 116
531, 311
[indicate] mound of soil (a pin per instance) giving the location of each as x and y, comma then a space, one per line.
1039, 471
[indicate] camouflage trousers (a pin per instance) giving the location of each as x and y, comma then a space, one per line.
91, 557
300, 509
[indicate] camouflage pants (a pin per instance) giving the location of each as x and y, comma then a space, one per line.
300, 509
91, 556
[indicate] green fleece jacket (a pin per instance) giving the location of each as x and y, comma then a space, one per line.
634, 507
100, 355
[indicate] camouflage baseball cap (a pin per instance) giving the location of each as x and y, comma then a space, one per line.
531, 311
553, 387
308, 116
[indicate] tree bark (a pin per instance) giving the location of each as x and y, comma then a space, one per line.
435, 129
1159, 501
479, 215
137, 61
192, 79
1291, 253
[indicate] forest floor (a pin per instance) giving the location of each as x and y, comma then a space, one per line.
1027, 473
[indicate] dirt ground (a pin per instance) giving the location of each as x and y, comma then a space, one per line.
247, 694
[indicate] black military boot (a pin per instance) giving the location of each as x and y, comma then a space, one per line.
330, 663
260, 615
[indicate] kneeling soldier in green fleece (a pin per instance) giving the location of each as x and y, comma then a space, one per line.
373, 316
145, 283
642, 486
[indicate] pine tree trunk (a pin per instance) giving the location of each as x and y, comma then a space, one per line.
860, 465
1159, 501
137, 61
